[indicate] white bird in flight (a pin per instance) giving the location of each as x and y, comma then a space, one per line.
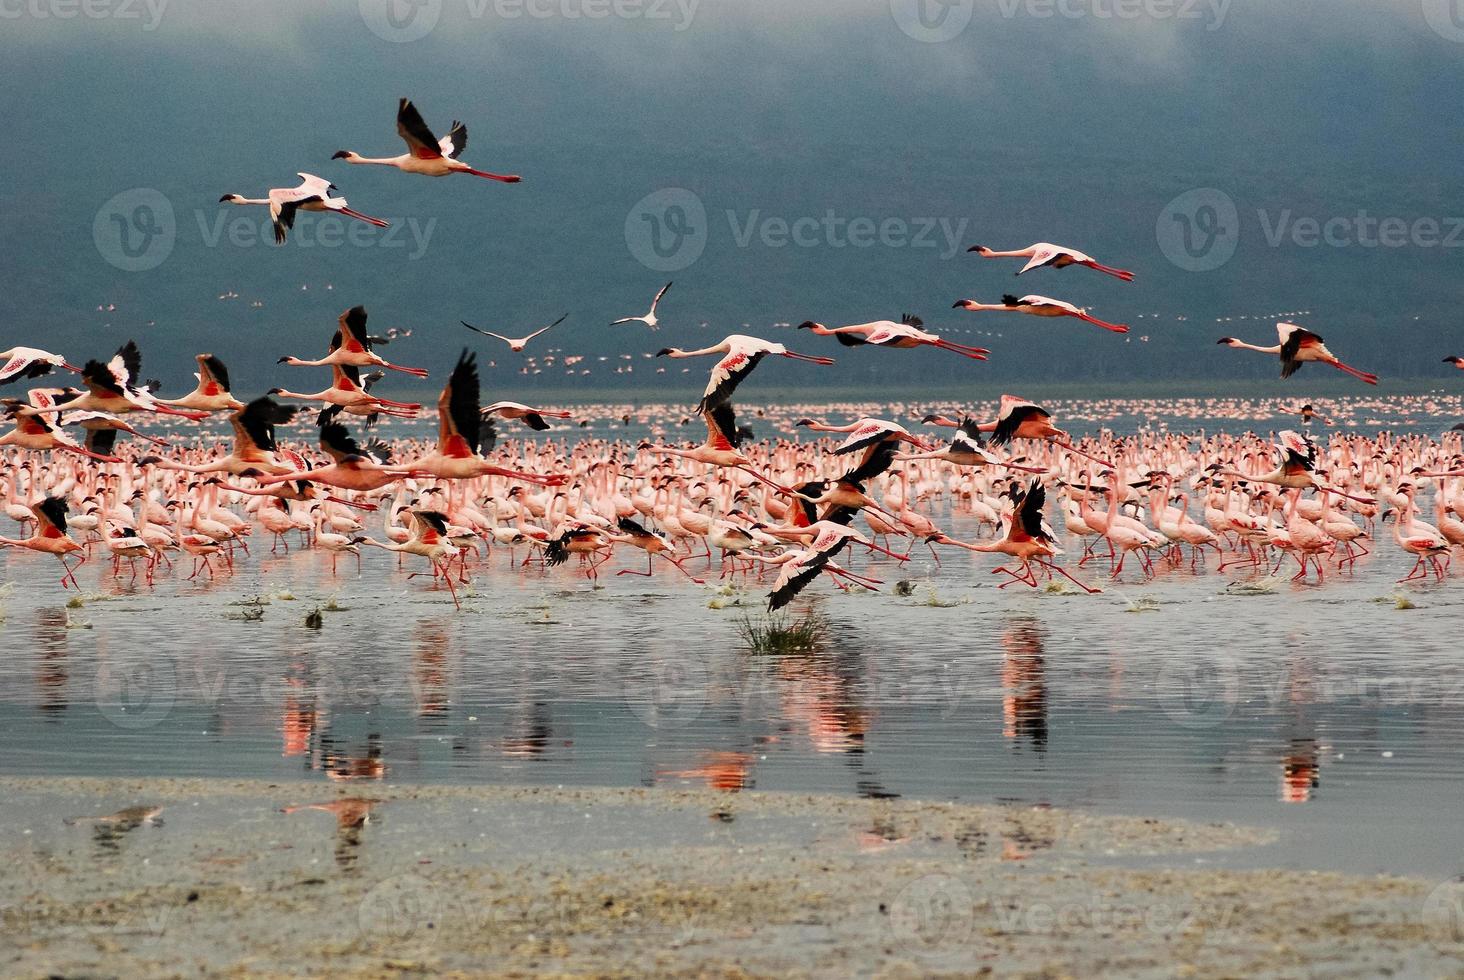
649, 319
516, 344
1057, 256
313, 194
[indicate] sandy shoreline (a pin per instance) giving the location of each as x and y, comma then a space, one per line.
402, 881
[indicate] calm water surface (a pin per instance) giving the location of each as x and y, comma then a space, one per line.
1326, 711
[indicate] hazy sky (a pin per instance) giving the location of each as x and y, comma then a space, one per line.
823, 159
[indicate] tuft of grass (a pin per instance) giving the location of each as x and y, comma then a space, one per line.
314, 620
904, 588
935, 600
777, 634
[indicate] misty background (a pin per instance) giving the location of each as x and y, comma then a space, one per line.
1023, 127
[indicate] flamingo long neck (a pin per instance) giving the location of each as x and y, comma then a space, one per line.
1264, 350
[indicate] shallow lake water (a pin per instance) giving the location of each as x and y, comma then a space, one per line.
1326, 711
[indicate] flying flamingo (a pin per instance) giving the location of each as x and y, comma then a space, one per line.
584, 540
1297, 346
462, 432
740, 355
34, 431
426, 154
101, 430
30, 363
515, 344
355, 467
887, 333
1018, 418
212, 393
1056, 256
1457, 361
720, 448
254, 447
313, 194
649, 319
797, 569
967, 449
50, 537
110, 389
653, 544
1029, 540
1296, 470
829, 537
346, 393
428, 539
351, 345
532, 417
1040, 306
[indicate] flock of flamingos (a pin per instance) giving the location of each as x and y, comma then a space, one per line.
784, 507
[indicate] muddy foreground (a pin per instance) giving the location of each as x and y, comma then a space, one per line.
242, 878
